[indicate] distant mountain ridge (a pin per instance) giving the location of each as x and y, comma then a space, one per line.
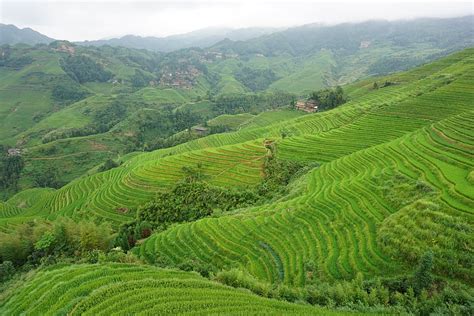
200, 38
10, 34
346, 38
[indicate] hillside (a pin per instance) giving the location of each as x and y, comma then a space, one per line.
319, 169
223, 156
10, 34
375, 190
55, 98
131, 289
200, 38
316, 56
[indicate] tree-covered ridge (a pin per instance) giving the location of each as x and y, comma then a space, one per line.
84, 69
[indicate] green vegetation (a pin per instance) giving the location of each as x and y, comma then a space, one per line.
328, 99
84, 69
11, 166
243, 103
366, 206
255, 79
40, 241
124, 288
66, 91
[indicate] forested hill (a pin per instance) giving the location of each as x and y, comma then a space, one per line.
347, 38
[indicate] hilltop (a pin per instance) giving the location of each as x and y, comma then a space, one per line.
10, 34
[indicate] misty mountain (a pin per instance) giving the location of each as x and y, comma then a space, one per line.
450, 34
10, 34
200, 38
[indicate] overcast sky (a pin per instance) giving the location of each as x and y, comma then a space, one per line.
88, 20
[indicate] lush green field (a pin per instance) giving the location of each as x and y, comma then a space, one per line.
392, 177
350, 215
319, 137
118, 289
57, 131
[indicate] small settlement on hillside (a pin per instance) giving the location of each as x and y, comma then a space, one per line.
309, 106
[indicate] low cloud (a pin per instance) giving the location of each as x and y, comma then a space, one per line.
86, 20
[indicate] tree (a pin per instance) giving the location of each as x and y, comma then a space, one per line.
423, 278
10, 170
84, 69
107, 165
327, 98
7, 270
48, 178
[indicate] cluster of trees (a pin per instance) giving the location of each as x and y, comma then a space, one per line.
9, 59
11, 167
189, 200
419, 294
255, 102
67, 91
328, 98
15, 62
193, 198
180, 138
166, 142
376, 85
156, 129
89, 129
278, 174
141, 79
391, 64
107, 165
255, 79
47, 178
108, 116
34, 242
82, 69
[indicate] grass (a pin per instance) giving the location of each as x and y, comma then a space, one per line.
110, 289
309, 75
342, 220
342, 217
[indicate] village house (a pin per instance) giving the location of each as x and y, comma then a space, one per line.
309, 106
364, 44
14, 152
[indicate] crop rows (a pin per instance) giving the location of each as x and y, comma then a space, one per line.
110, 195
336, 223
111, 289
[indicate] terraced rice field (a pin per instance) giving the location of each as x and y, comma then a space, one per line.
111, 195
420, 127
344, 221
335, 223
111, 289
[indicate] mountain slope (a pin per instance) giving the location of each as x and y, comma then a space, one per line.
132, 289
10, 34
200, 38
347, 218
314, 56
388, 179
